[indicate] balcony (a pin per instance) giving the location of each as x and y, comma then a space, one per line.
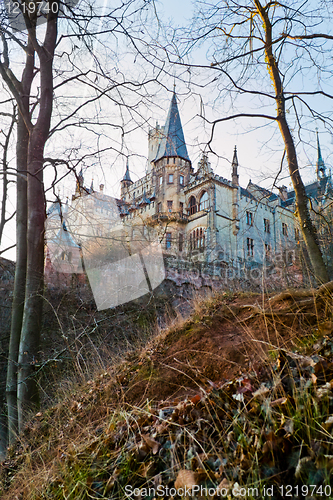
178, 216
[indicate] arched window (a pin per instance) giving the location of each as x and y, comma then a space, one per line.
192, 206
204, 201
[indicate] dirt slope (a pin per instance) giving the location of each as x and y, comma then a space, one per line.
223, 396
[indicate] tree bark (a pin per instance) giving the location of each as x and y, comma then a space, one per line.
21, 249
27, 386
19, 282
302, 211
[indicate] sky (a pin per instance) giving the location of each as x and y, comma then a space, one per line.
259, 153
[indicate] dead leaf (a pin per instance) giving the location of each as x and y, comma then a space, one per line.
186, 479
224, 487
261, 392
195, 399
151, 443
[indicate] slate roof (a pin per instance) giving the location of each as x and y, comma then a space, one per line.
173, 142
127, 174
245, 192
314, 190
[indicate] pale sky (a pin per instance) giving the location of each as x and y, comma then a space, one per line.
257, 142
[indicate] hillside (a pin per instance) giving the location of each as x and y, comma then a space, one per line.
239, 395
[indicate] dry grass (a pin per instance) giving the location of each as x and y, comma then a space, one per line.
240, 411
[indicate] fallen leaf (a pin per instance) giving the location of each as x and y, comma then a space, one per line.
151, 443
195, 399
186, 478
261, 392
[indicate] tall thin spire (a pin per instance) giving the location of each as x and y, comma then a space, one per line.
234, 175
172, 143
320, 162
127, 176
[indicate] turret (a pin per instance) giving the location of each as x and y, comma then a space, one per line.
126, 181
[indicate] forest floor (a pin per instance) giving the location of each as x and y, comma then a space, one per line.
238, 395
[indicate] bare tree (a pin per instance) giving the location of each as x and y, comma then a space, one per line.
278, 55
36, 91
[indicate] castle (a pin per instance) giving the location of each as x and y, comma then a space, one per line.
203, 221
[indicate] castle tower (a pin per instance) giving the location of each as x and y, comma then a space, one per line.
154, 138
172, 165
126, 181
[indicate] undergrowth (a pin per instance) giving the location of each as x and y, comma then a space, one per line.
266, 429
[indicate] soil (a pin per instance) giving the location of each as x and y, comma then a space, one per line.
230, 339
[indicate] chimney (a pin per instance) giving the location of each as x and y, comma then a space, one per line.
283, 193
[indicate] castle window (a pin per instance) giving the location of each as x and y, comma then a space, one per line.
204, 201
167, 240
267, 226
192, 206
170, 179
250, 247
249, 218
181, 207
284, 229
161, 180
267, 251
159, 207
181, 180
181, 242
169, 204
198, 239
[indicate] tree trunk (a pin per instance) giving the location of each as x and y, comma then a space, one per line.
20, 275
302, 210
21, 247
27, 388
27, 385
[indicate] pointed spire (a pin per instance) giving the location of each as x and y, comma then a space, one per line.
92, 186
320, 161
172, 143
235, 159
127, 176
234, 175
79, 183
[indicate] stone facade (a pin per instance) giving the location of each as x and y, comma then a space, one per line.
203, 217
209, 226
